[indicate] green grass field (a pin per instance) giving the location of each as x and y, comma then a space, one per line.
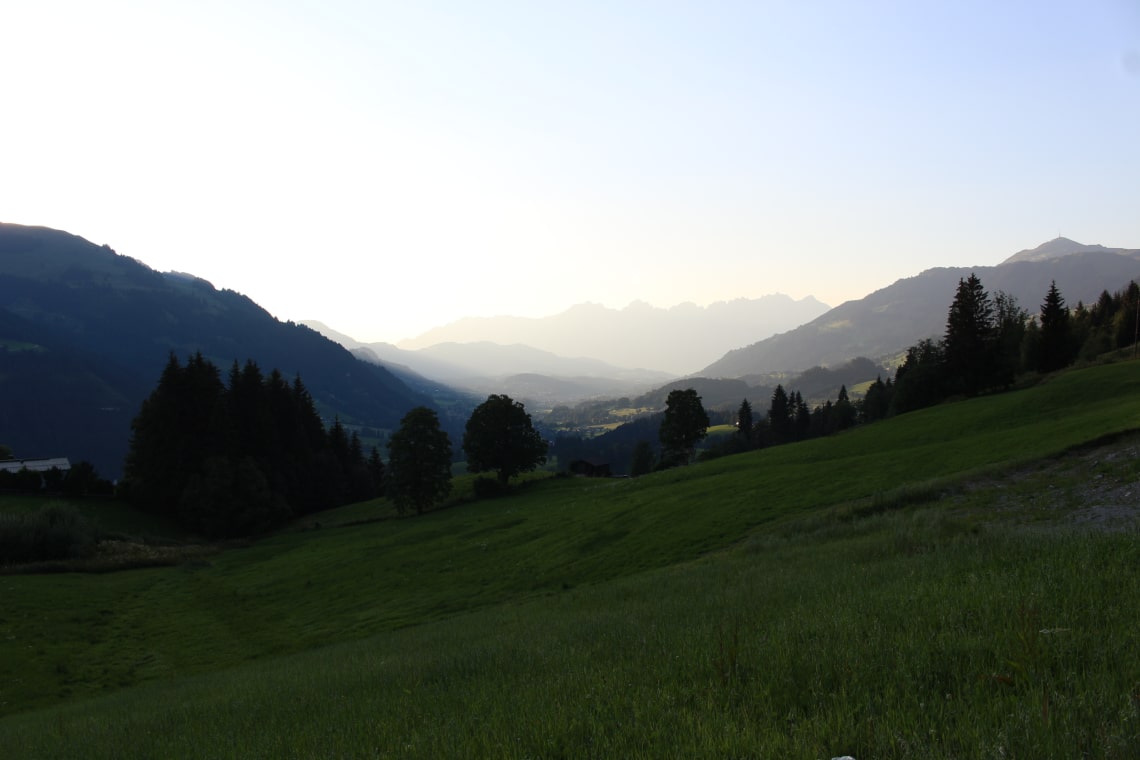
909, 589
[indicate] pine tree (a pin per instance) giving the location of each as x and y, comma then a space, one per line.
419, 462
377, 471
919, 380
780, 419
876, 402
744, 421
642, 460
1054, 351
844, 412
684, 425
801, 417
178, 426
968, 346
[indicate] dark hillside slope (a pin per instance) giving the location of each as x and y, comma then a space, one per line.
889, 320
82, 311
60, 401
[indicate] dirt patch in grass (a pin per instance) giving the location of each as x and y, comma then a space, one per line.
1092, 487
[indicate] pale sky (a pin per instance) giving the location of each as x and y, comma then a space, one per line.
386, 167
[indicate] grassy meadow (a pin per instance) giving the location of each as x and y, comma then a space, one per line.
915, 588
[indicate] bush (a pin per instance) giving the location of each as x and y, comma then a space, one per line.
489, 488
54, 532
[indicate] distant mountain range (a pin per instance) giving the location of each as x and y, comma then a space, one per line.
678, 340
85, 333
883, 324
522, 372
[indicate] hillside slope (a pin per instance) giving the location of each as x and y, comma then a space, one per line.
76, 314
889, 320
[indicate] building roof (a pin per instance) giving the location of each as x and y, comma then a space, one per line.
35, 465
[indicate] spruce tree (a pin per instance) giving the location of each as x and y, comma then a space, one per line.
744, 422
780, 419
1054, 350
844, 412
419, 462
642, 460
685, 424
969, 342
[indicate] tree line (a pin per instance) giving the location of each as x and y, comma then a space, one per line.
990, 341
499, 438
238, 459
987, 344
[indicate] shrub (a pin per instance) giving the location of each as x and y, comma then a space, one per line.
54, 532
489, 488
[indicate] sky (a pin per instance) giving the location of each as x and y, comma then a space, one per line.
388, 167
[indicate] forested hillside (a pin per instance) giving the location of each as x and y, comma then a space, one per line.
86, 333
884, 323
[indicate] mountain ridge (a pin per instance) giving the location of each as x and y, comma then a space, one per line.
87, 333
529, 374
884, 323
676, 340
1059, 247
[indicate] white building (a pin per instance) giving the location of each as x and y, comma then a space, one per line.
35, 465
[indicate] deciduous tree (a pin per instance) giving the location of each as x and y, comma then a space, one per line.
501, 438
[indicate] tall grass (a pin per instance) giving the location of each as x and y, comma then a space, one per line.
989, 643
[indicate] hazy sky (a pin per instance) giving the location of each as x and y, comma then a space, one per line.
386, 167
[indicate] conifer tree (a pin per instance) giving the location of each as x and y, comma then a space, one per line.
801, 417
1054, 351
968, 344
377, 471
876, 402
780, 419
844, 412
642, 460
237, 460
919, 379
684, 426
744, 421
419, 462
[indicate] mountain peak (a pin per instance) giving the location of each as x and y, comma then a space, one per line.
1062, 246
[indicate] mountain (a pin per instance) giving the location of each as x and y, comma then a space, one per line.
676, 340
85, 334
527, 374
886, 322
487, 359
1061, 246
